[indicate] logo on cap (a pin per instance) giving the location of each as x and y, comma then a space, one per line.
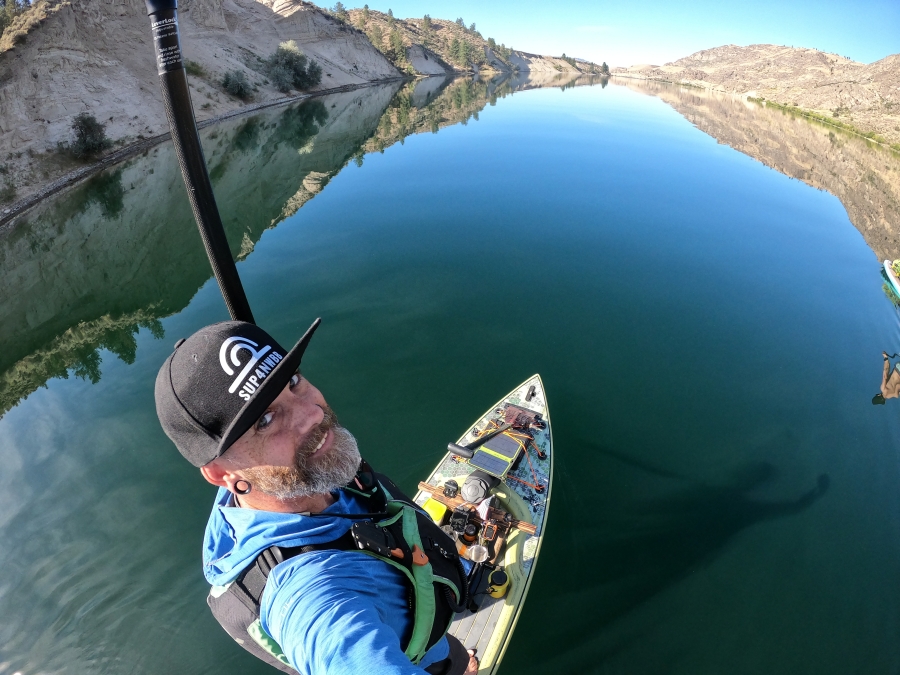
230, 351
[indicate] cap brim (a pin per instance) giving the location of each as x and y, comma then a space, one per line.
267, 392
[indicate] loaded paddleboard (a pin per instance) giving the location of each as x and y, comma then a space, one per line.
491, 493
891, 277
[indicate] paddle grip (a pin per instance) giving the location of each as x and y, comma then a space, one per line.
460, 450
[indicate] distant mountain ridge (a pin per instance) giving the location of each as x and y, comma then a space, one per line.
863, 96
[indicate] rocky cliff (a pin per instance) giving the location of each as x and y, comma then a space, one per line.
96, 57
864, 96
63, 58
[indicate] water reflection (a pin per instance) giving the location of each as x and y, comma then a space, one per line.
87, 270
890, 380
864, 176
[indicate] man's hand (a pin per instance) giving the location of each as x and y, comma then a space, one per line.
473, 663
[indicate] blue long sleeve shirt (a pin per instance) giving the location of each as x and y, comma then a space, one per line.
334, 612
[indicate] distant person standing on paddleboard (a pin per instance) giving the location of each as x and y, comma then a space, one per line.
288, 579
890, 381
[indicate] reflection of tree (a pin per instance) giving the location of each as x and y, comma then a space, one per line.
293, 128
106, 190
456, 103
299, 124
76, 352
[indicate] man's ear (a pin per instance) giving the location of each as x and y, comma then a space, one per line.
217, 474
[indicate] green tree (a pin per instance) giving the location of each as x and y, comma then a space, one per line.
492, 43
397, 49
340, 11
90, 136
604, 68
288, 68
426, 23
377, 36
472, 28
9, 10
454, 48
365, 12
463, 51
235, 83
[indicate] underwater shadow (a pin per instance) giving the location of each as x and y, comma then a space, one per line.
641, 549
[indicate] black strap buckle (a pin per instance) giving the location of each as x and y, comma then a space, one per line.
369, 536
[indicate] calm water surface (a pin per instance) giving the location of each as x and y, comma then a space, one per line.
727, 498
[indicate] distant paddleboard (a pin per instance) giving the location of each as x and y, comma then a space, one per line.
492, 495
892, 277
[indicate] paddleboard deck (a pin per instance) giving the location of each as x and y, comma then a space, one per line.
892, 277
524, 493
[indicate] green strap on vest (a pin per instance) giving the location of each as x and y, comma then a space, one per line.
267, 642
421, 577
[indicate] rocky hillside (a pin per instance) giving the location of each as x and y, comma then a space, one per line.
96, 57
62, 58
427, 46
853, 94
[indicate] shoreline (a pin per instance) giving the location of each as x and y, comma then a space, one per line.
18, 207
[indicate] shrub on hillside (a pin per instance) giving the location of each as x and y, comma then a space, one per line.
90, 137
194, 68
288, 68
235, 83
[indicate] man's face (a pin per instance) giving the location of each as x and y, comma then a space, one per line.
296, 448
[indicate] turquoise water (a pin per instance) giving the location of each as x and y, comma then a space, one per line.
709, 332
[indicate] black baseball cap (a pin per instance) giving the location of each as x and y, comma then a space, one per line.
218, 382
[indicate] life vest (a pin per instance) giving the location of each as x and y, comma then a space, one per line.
401, 535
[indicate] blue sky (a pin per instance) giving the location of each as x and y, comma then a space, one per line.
627, 32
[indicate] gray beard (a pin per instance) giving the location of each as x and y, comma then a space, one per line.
308, 477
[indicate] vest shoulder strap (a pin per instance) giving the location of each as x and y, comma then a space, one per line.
249, 586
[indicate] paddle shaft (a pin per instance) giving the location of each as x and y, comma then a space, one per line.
177, 100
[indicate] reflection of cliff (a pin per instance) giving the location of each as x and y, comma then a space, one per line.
433, 103
864, 177
90, 267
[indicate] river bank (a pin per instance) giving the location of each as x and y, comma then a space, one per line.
75, 176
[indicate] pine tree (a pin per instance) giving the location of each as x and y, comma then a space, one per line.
376, 36
397, 48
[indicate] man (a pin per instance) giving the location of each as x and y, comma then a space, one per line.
235, 404
890, 381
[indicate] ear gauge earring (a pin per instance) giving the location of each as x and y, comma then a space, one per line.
240, 490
